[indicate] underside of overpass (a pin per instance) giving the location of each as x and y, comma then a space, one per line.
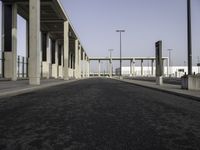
53, 47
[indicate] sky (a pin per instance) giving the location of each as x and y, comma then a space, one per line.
145, 22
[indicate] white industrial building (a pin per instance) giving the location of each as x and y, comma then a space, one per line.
174, 71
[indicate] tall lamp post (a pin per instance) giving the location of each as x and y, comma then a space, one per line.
110, 50
189, 36
120, 31
198, 64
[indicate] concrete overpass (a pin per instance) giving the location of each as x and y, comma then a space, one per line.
132, 63
51, 41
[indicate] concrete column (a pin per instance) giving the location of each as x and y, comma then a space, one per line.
82, 63
110, 66
55, 65
79, 61
152, 67
142, 73
131, 68
99, 73
159, 63
168, 67
76, 59
85, 63
9, 40
163, 65
88, 67
61, 65
85, 66
34, 37
66, 50
47, 62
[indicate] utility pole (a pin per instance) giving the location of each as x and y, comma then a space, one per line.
120, 31
189, 36
198, 64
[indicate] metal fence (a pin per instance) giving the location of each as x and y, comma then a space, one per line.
22, 67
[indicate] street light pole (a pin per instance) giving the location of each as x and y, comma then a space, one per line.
189, 34
198, 64
120, 31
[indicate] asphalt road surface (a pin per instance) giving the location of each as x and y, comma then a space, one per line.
99, 114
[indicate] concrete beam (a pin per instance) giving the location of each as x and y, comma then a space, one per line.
125, 58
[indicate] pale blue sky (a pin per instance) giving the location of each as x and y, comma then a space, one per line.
145, 22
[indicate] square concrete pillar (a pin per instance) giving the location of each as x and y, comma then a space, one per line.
83, 64
46, 63
190, 82
55, 65
142, 70
9, 40
159, 63
159, 80
99, 71
168, 67
76, 59
61, 64
79, 62
86, 68
66, 51
34, 42
131, 68
152, 67
88, 75
110, 67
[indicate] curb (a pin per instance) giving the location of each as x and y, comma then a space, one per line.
163, 90
33, 88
